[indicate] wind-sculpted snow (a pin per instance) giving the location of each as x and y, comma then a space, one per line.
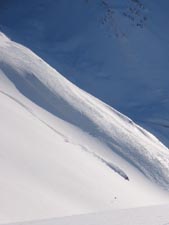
44, 86
64, 152
114, 49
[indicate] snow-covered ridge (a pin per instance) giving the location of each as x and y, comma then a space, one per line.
47, 88
63, 151
123, 45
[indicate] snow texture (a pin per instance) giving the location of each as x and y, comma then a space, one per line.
114, 49
64, 152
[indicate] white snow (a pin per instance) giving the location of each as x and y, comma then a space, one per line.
64, 152
114, 49
140, 216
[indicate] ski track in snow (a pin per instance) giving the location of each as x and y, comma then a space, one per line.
112, 166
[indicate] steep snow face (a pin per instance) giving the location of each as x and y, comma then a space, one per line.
117, 50
48, 89
63, 151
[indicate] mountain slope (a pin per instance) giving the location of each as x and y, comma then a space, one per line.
141, 216
63, 151
116, 50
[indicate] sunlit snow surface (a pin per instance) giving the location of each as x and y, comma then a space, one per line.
117, 50
64, 152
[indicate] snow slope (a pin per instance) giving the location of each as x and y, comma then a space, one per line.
121, 44
141, 216
64, 152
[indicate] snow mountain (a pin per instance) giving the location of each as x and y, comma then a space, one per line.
114, 49
65, 152
64, 149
